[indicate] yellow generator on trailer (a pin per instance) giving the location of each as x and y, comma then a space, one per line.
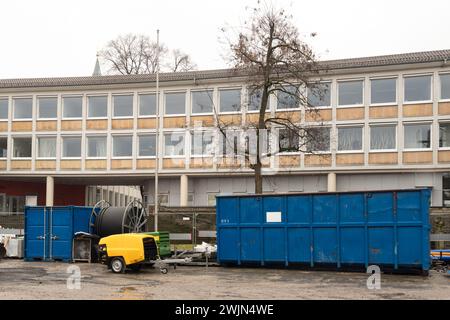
128, 250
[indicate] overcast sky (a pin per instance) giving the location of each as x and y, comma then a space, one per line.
60, 38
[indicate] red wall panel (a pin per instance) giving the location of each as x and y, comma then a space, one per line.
64, 194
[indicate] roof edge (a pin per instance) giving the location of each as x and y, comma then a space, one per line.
210, 74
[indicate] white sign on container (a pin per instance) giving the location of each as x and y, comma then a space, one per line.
273, 217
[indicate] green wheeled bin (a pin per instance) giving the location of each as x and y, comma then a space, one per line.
162, 240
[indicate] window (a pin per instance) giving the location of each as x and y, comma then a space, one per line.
230, 100
46, 147
3, 147
147, 104
444, 135
72, 107
383, 91
175, 103
417, 88
122, 146
116, 199
98, 107
446, 190
98, 195
254, 99
12, 203
147, 145
250, 140
445, 86
288, 140
22, 147
48, 108
319, 95
383, 137
96, 147
163, 199
3, 109
145, 200
190, 199
23, 108
350, 138
211, 199
417, 136
202, 143
230, 142
202, 101
123, 106
71, 147
350, 93
319, 139
288, 97
174, 144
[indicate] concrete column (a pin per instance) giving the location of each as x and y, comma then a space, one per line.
49, 194
183, 190
331, 182
87, 196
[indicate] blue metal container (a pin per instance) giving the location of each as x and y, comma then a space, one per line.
49, 231
385, 228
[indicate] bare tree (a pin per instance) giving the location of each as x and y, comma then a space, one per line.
178, 61
268, 51
130, 54
137, 54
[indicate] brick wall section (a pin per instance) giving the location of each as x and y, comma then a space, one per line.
64, 194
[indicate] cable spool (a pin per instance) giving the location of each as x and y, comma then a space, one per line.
107, 220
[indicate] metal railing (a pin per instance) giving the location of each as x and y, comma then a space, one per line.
4, 213
187, 225
12, 220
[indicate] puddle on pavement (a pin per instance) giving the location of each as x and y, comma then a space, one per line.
21, 274
130, 293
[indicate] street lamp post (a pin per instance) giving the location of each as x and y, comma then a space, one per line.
155, 198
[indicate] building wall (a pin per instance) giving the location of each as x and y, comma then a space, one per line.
63, 194
365, 115
294, 172
357, 182
200, 188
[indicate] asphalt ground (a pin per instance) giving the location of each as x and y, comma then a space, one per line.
58, 280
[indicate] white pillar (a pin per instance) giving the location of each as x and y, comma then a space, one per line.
49, 194
87, 196
331, 182
183, 190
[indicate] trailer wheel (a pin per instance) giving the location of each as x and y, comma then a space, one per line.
118, 265
164, 270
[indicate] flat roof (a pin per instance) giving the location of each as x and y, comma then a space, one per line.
339, 64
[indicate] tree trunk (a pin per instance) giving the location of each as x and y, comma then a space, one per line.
258, 179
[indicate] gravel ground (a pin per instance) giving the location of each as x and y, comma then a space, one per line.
38, 280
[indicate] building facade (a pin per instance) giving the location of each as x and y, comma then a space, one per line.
386, 118
117, 196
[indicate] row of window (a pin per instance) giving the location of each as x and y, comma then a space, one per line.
118, 199
383, 137
349, 138
383, 91
73, 106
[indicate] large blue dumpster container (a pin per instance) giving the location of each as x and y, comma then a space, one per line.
385, 228
49, 231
